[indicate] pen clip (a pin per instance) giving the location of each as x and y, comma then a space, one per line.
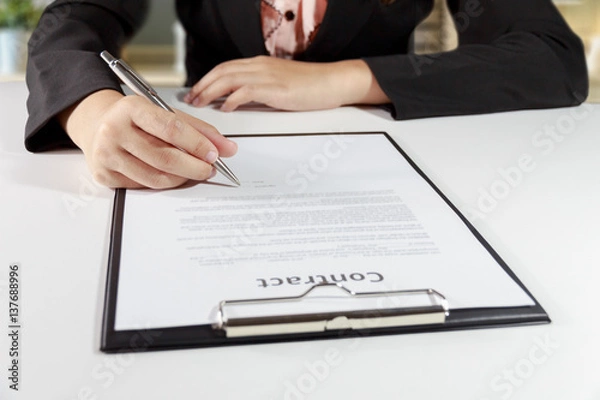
137, 78
131, 78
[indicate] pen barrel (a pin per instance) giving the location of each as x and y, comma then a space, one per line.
160, 102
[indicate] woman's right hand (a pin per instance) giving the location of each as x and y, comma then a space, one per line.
129, 142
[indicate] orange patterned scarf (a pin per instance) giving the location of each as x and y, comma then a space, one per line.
289, 26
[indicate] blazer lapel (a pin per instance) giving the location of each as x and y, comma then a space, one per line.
342, 22
242, 21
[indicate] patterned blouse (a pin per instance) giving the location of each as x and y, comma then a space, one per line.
289, 26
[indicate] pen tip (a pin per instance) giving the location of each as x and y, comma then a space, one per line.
222, 168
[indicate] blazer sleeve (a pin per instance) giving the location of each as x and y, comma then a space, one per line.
64, 65
512, 54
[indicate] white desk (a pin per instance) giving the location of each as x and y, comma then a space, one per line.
55, 222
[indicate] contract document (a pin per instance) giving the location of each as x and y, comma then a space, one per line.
349, 209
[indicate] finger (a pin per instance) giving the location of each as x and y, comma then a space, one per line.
206, 80
225, 85
223, 69
165, 158
119, 169
265, 94
146, 175
169, 128
115, 180
225, 146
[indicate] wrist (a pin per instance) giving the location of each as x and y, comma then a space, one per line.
358, 84
79, 119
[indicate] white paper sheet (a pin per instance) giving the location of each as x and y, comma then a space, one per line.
314, 208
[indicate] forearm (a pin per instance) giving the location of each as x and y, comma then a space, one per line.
518, 72
512, 55
64, 65
357, 84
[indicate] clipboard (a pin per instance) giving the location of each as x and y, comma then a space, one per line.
236, 328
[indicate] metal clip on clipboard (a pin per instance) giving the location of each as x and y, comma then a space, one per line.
242, 324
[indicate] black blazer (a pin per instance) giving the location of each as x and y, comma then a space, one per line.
513, 54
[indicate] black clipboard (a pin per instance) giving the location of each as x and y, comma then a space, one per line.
432, 317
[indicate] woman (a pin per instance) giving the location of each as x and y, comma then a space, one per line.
288, 54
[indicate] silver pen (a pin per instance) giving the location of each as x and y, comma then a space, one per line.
143, 88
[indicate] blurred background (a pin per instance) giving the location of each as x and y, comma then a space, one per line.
157, 50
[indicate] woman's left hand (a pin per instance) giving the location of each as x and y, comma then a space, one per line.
287, 84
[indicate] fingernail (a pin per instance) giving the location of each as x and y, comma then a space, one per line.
196, 102
233, 144
187, 98
213, 173
211, 157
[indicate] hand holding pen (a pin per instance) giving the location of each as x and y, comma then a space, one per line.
128, 142
142, 88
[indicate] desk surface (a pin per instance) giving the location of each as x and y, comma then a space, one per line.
527, 180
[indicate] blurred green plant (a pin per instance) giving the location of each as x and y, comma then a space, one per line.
19, 14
